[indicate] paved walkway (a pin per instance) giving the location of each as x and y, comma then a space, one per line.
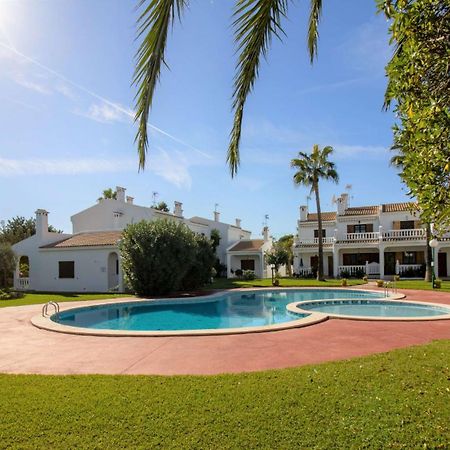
26, 349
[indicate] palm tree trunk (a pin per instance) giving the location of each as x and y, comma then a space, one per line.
320, 276
428, 255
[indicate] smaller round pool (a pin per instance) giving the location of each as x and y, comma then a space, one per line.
375, 308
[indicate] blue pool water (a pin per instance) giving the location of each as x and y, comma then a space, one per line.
233, 310
375, 308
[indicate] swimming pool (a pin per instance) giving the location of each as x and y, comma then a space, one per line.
231, 310
381, 309
244, 311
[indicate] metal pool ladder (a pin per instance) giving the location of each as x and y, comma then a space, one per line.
45, 308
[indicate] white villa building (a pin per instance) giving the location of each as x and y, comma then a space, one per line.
380, 241
88, 260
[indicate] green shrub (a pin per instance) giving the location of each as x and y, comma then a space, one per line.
437, 283
157, 255
200, 271
380, 283
344, 282
365, 278
248, 275
238, 273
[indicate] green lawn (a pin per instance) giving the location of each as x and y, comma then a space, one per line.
224, 283
394, 400
419, 284
33, 299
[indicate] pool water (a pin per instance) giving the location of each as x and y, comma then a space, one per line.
232, 310
375, 308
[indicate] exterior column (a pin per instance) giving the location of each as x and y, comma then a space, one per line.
261, 258
381, 251
335, 262
120, 275
228, 265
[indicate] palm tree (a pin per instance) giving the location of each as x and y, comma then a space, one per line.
310, 169
255, 22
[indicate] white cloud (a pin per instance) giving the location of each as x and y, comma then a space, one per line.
105, 113
174, 168
65, 90
368, 49
64, 166
360, 152
27, 83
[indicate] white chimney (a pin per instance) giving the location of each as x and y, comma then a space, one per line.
303, 213
238, 223
130, 199
265, 233
342, 204
41, 223
216, 216
120, 191
178, 209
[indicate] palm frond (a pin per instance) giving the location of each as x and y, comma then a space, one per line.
255, 22
313, 28
153, 25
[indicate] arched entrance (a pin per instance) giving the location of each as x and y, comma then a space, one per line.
22, 275
113, 271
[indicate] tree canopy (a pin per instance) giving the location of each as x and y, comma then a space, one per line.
108, 194
161, 206
19, 228
419, 91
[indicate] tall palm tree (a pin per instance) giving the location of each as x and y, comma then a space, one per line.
255, 22
310, 169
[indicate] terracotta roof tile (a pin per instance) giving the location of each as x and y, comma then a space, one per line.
399, 207
252, 245
94, 239
362, 211
326, 216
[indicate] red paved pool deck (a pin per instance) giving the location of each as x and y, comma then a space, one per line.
26, 349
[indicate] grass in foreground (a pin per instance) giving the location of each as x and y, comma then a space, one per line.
33, 299
224, 283
395, 400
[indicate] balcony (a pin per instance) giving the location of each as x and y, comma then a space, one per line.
313, 242
373, 236
417, 234
404, 235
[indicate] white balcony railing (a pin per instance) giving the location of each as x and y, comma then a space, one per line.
363, 236
22, 284
315, 241
415, 233
390, 235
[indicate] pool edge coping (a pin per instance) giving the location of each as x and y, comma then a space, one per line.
45, 323
293, 307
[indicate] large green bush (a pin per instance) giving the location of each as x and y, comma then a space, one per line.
200, 272
163, 256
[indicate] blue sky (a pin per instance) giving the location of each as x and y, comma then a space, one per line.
66, 99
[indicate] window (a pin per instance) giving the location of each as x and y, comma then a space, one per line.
117, 267
407, 225
409, 258
316, 233
247, 264
66, 269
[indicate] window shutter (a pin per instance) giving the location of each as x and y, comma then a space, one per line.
396, 225
350, 228
369, 228
417, 224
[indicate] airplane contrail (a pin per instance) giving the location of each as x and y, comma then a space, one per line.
99, 97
